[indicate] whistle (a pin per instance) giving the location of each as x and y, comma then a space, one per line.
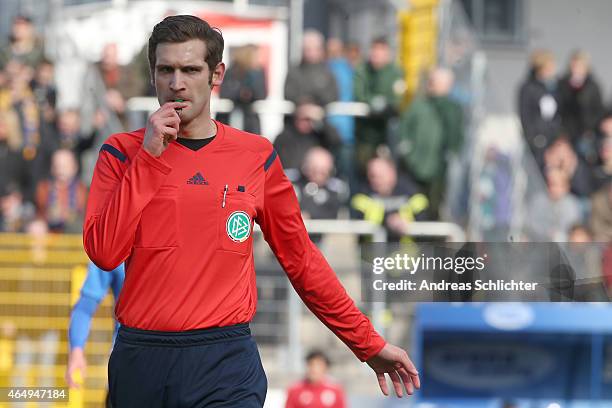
178, 110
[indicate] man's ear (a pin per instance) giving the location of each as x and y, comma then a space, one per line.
218, 74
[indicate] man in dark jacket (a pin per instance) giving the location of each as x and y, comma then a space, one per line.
580, 106
13, 167
243, 84
602, 174
66, 133
311, 80
538, 105
320, 194
306, 130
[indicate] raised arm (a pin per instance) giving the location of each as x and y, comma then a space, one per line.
122, 187
119, 192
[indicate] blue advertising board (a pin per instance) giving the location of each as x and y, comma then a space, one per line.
557, 354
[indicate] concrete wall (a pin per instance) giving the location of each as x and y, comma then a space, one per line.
561, 26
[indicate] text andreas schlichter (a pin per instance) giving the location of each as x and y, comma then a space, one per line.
397, 273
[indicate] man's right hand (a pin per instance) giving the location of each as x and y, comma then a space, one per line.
162, 126
76, 361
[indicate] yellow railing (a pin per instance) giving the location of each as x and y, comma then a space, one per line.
40, 280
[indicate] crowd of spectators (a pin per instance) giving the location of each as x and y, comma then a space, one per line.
569, 132
41, 144
391, 160
334, 160
566, 128
388, 166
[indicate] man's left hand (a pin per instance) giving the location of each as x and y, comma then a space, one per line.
394, 362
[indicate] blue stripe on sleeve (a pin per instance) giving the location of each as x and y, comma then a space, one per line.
114, 151
270, 160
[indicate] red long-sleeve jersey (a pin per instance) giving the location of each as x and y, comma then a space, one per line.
182, 223
324, 394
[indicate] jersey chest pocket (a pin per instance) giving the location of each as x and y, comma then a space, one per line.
235, 221
158, 223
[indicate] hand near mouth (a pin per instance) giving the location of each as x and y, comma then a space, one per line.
162, 127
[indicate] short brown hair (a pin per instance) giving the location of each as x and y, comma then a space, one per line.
178, 29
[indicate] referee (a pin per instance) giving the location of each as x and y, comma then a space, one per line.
177, 201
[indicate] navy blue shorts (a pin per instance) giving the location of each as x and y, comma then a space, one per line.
217, 367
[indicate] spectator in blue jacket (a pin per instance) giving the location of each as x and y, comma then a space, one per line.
343, 72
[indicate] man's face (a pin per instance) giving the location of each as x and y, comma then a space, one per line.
69, 122
381, 176
303, 124
580, 236
558, 184
316, 370
380, 55
22, 30
440, 82
63, 165
606, 126
181, 72
606, 149
307, 116
579, 68
335, 49
10, 203
44, 74
548, 71
313, 49
318, 166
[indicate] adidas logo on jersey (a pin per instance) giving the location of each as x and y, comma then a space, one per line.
198, 179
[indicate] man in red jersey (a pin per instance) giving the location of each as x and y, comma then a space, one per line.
316, 390
177, 201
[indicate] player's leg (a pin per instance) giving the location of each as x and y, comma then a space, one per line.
223, 373
137, 371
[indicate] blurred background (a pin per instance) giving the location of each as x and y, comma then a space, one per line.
396, 120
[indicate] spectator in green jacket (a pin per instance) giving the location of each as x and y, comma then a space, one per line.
379, 83
430, 130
